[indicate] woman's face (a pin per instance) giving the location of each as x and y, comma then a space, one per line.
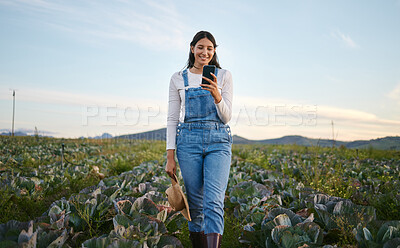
203, 52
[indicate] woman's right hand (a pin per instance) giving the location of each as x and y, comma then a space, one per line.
170, 167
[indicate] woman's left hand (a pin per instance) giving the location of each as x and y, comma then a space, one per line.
212, 88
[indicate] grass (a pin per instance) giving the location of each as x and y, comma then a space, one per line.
24, 208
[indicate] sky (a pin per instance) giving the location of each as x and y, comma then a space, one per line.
320, 69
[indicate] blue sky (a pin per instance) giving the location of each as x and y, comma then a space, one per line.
82, 68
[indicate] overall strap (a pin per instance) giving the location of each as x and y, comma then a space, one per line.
216, 71
185, 78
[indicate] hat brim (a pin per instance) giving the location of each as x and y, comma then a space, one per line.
185, 212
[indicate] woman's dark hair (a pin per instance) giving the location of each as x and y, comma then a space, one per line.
200, 35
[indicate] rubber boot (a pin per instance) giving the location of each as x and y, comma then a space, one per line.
214, 240
204, 238
198, 239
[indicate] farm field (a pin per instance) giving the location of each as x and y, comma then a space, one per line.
110, 193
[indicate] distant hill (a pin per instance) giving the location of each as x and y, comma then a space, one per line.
21, 133
386, 143
240, 140
26, 132
103, 136
296, 139
15, 133
159, 134
300, 140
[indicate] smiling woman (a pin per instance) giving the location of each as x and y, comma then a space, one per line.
203, 47
197, 127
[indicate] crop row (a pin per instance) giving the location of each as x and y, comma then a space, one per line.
280, 196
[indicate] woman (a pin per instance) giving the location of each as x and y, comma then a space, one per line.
197, 127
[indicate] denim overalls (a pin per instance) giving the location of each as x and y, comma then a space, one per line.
204, 149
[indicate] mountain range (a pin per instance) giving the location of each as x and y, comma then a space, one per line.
385, 143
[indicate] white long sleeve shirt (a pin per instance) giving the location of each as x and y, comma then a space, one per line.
176, 100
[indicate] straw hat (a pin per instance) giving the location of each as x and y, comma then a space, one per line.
177, 198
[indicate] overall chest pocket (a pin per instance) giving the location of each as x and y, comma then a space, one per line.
200, 103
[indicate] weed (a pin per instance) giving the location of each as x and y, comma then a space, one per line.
346, 234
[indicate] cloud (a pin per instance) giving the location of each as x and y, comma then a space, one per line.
395, 93
72, 115
78, 99
345, 39
261, 118
152, 24
325, 112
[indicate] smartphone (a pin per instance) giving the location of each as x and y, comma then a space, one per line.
207, 69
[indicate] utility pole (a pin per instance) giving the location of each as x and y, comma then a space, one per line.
333, 135
12, 130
